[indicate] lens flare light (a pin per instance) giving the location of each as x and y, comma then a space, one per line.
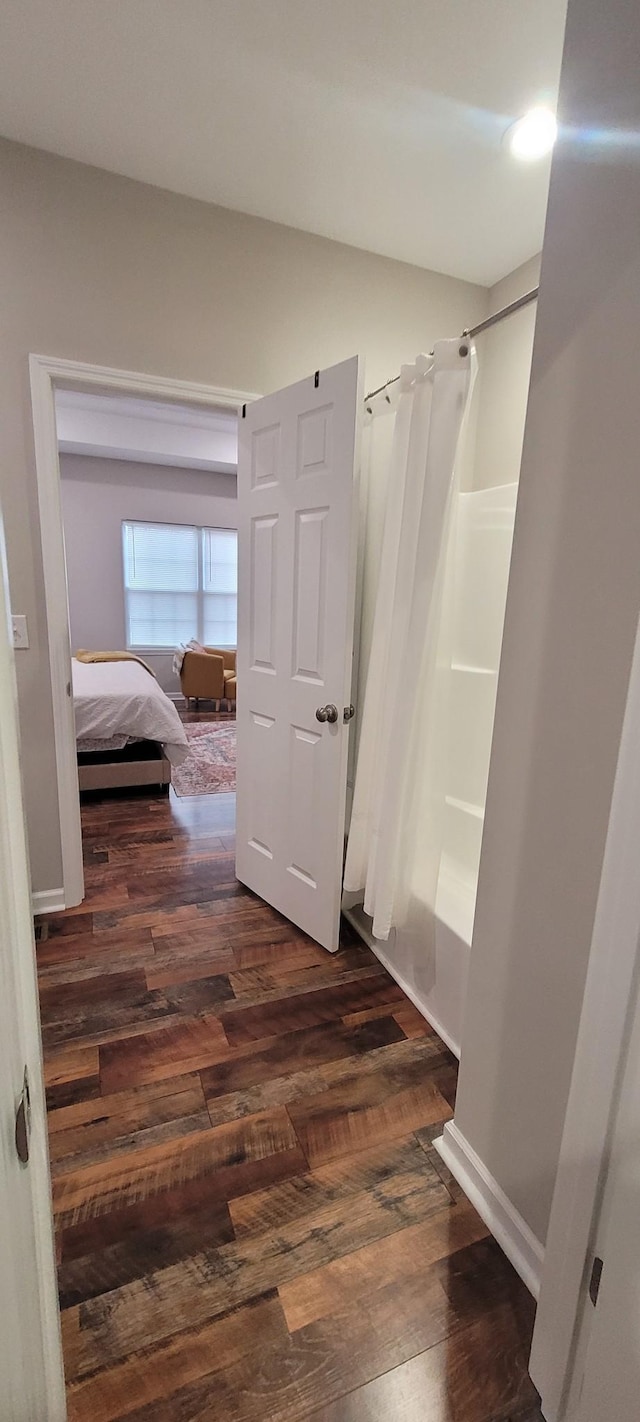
533, 135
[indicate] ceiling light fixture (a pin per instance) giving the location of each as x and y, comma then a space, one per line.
533, 135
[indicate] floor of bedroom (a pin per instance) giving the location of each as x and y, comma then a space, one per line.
252, 1223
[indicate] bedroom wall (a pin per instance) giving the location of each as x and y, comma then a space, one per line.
97, 494
102, 269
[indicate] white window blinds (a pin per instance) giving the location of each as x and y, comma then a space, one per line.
180, 582
219, 586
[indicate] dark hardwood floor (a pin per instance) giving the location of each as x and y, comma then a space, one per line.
252, 1223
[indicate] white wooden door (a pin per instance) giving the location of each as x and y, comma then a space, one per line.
31, 1376
296, 581
596, 1202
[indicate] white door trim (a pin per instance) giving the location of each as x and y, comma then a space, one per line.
47, 372
602, 1038
37, 1279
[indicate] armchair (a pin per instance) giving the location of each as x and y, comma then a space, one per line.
229, 660
209, 675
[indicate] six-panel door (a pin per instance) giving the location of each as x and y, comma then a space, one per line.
296, 553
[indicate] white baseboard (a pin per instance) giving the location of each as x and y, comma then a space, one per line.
501, 1217
48, 901
387, 962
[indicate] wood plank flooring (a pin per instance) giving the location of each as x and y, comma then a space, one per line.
252, 1223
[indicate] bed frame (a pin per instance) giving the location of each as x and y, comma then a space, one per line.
142, 763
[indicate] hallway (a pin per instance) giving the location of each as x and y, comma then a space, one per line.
252, 1223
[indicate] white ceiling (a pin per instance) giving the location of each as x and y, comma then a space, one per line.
375, 122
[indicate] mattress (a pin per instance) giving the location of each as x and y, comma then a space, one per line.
92, 745
121, 699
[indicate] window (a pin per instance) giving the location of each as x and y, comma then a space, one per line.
179, 582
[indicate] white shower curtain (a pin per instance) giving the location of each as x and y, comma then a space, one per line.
396, 829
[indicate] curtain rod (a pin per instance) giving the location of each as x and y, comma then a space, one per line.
472, 331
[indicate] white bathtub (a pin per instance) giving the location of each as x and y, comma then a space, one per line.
437, 983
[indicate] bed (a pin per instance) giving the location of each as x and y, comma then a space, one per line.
128, 732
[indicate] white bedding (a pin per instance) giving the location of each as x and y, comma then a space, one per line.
121, 699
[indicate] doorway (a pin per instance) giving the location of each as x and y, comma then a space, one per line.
234, 1111
50, 377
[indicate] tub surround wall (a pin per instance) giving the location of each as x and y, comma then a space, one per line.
484, 534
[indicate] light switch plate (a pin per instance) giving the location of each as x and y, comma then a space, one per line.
20, 632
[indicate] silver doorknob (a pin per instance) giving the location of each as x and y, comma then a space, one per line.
327, 713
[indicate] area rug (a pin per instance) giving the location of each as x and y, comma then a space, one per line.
210, 766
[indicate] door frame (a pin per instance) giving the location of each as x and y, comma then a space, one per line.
22, 1008
563, 1317
48, 373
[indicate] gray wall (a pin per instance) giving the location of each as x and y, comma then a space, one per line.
504, 360
101, 269
97, 494
572, 611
